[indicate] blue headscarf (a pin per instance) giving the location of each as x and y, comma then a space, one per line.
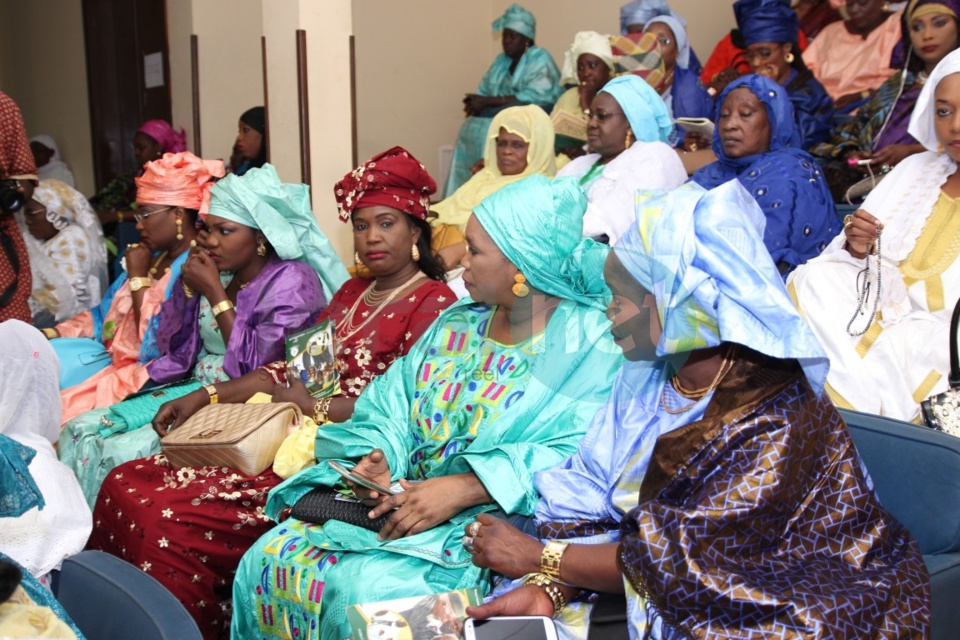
518, 19
784, 180
538, 225
700, 253
644, 108
643, 11
767, 21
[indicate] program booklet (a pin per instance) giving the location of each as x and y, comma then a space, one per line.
438, 616
310, 358
703, 126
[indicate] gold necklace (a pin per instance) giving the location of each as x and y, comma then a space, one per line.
729, 359
156, 264
350, 327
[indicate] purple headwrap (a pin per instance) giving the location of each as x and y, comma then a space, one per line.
171, 140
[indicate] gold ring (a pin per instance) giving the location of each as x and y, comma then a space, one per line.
847, 220
133, 245
473, 529
694, 146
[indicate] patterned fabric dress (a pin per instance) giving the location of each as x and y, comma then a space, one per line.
15, 161
188, 527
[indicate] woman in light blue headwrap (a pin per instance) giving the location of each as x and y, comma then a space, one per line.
757, 142
634, 17
719, 472
627, 135
500, 386
523, 74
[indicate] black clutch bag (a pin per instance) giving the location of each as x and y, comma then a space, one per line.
942, 411
321, 504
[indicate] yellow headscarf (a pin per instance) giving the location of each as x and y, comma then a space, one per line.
530, 123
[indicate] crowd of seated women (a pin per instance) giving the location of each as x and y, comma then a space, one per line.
604, 363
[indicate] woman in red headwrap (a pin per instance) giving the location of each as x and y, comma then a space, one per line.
192, 525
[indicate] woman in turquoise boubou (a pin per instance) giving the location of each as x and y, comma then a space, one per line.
502, 385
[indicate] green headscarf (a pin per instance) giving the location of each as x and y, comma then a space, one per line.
538, 225
518, 19
282, 212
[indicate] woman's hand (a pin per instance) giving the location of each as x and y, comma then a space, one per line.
174, 413
720, 81
200, 273
893, 154
296, 392
374, 466
500, 546
474, 104
138, 260
528, 600
423, 505
860, 228
695, 141
477, 166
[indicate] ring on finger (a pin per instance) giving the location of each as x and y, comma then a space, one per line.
847, 220
473, 529
467, 542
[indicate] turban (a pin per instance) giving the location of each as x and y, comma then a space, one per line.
518, 19
393, 178
179, 180
644, 109
766, 21
172, 141
643, 11
585, 42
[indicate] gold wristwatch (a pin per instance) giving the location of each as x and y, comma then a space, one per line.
550, 559
139, 283
212, 392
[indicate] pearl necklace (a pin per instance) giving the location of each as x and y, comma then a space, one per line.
350, 327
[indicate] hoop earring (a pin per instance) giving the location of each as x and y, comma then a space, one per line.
356, 258
628, 142
520, 288
179, 229
415, 252
789, 57
261, 249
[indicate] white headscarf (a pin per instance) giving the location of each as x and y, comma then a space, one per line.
679, 35
30, 413
585, 42
56, 168
921, 122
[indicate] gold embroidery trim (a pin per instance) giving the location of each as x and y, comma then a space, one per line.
838, 399
926, 386
869, 337
935, 250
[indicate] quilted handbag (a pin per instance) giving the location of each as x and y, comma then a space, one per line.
79, 358
942, 411
321, 504
240, 436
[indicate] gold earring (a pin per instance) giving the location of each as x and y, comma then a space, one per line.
415, 252
356, 258
939, 147
520, 288
628, 142
789, 58
262, 249
179, 229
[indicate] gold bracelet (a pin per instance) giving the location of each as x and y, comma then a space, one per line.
220, 307
550, 559
320, 409
553, 592
212, 392
139, 283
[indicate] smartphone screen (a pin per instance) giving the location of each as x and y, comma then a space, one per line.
532, 628
360, 480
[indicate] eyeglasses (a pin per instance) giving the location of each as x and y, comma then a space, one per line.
601, 116
140, 217
665, 41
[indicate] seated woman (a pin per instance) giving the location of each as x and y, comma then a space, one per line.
251, 141
44, 535
771, 32
169, 193
879, 129
498, 387
520, 143
627, 134
901, 358
756, 143
252, 282
523, 74
682, 91
851, 59
588, 65
636, 15
68, 256
49, 165
814, 15
377, 321
718, 473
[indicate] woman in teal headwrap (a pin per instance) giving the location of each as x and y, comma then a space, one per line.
718, 489
264, 271
500, 386
522, 74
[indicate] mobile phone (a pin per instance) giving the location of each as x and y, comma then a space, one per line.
363, 481
510, 628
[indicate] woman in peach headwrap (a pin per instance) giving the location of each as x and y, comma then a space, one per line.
169, 194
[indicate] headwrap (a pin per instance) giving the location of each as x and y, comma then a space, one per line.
29, 385
645, 110
538, 225
776, 102
255, 117
49, 143
921, 122
701, 254
518, 19
393, 179
585, 42
283, 213
639, 54
680, 36
917, 8
531, 123
643, 11
767, 21
16, 160
179, 180
160, 130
